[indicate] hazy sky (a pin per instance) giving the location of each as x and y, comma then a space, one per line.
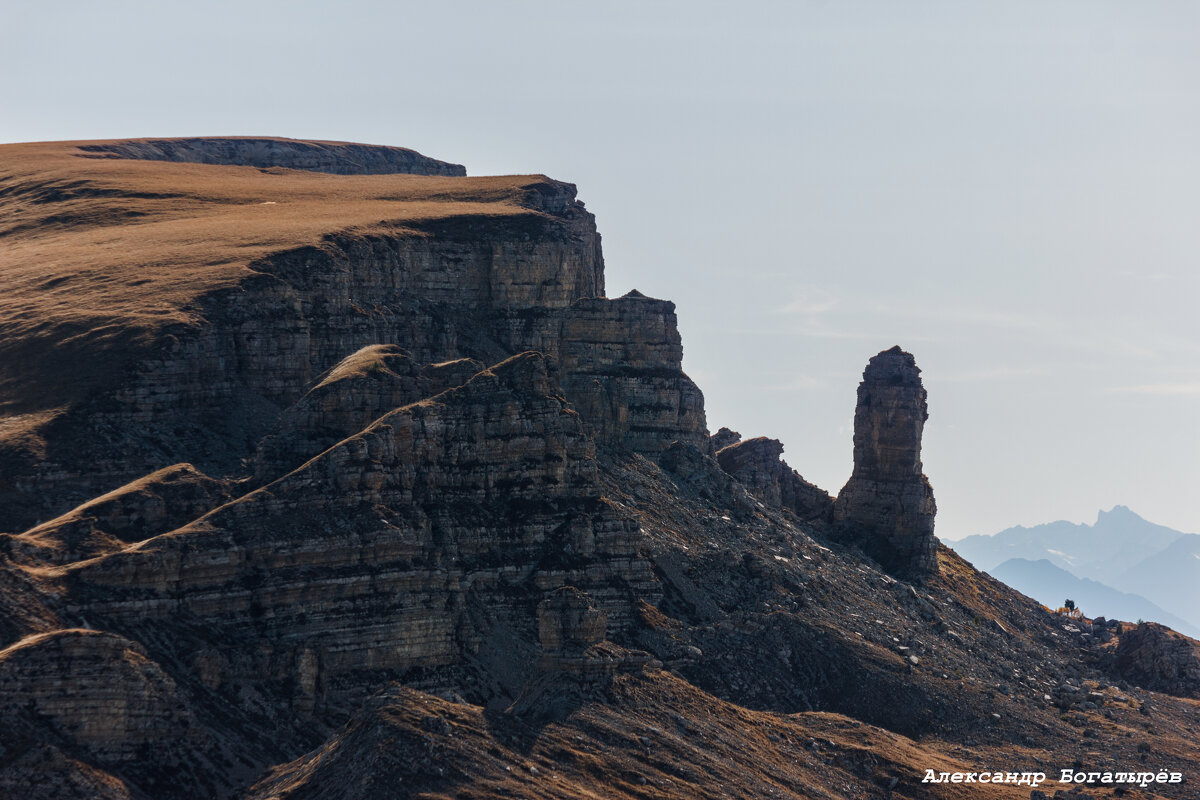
1008, 190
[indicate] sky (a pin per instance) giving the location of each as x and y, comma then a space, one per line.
1010, 191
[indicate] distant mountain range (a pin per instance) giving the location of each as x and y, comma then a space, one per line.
1050, 586
1122, 566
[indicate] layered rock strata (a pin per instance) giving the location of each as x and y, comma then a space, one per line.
447, 287
621, 362
119, 700
569, 622
1158, 658
361, 388
887, 506
159, 502
756, 463
549, 555
382, 552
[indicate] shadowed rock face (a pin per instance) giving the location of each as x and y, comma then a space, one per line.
1158, 658
757, 464
121, 700
887, 506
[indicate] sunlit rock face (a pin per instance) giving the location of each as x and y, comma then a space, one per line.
887, 506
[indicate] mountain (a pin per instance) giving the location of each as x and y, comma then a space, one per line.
1122, 552
1170, 577
1050, 586
327, 470
1102, 551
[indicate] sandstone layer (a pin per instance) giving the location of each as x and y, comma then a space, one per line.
402, 546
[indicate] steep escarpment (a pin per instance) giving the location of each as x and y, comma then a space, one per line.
403, 546
441, 268
319, 482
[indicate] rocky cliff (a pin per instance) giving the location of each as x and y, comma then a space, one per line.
481, 271
329, 471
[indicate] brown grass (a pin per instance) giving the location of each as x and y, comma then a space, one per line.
656, 738
99, 255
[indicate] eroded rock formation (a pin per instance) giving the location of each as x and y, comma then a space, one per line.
757, 464
120, 700
887, 505
157, 503
569, 622
1158, 658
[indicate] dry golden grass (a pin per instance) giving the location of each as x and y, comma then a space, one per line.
98, 255
656, 737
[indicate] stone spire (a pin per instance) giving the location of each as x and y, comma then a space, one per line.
887, 505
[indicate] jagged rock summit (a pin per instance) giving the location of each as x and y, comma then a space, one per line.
321, 482
887, 505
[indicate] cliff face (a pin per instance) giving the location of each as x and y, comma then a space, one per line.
887, 505
523, 272
415, 533
339, 482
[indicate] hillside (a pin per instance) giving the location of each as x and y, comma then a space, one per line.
1052, 586
326, 477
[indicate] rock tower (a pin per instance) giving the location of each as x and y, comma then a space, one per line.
887, 506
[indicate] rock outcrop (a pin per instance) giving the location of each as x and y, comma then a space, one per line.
887, 506
363, 387
757, 464
622, 364
723, 438
157, 503
339, 158
1156, 657
120, 701
569, 622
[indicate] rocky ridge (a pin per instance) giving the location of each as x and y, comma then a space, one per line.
414, 508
